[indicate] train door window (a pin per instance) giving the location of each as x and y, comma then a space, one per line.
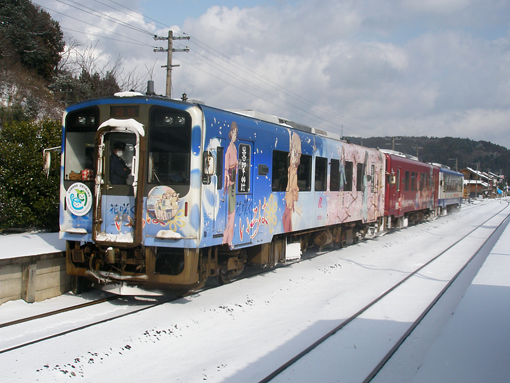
348, 176
406, 181
334, 178
305, 173
359, 177
280, 170
121, 151
219, 167
398, 180
413, 181
321, 173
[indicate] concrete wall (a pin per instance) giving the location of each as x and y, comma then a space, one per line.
33, 278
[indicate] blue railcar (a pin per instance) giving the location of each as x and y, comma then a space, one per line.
451, 186
159, 192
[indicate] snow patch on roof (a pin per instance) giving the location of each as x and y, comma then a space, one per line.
128, 94
129, 123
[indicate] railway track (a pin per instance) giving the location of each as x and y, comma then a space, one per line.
30, 330
306, 363
113, 309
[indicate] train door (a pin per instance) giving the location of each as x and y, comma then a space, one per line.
220, 201
235, 202
244, 197
398, 193
116, 188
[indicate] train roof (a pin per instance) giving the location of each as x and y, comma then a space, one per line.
245, 112
399, 154
283, 121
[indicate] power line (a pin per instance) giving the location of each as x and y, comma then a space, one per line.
230, 68
92, 25
110, 38
103, 16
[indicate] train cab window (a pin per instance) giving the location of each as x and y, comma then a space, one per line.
80, 131
169, 148
334, 171
348, 176
359, 177
321, 173
406, 180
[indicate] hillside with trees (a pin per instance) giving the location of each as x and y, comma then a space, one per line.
40, 75
454, 152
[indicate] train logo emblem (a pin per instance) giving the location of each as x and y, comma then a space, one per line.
79, 199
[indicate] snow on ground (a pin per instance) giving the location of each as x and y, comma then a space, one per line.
19, 245
244, 330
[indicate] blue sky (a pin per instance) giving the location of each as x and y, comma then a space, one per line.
402, 67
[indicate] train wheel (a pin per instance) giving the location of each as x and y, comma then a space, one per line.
225, 276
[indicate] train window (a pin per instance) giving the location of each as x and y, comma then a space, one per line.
406, 181
373, 179
321, 173
169, 147
359, 177
280, 170
413, 181
398, 180
348, 176
334, 181
208, 168
305, 173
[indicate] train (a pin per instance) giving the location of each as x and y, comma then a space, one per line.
164, 193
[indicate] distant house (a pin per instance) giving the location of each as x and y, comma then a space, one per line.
478, 183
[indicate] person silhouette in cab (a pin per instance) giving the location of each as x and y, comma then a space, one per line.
119, 171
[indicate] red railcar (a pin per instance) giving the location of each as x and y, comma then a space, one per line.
411, 189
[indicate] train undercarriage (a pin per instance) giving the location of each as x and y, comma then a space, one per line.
183, 270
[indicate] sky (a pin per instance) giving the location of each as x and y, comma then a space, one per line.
436, 68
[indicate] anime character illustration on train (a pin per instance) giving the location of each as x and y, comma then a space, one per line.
231, 171
292, 190
210, 191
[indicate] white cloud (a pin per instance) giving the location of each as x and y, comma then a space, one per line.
411, 67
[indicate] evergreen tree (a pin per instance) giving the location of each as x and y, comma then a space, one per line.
28, 198
30, 36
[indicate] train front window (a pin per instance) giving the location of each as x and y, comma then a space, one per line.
169, 148
80, 131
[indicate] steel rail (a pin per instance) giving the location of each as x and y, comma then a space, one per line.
344, 323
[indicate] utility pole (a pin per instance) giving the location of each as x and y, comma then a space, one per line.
169, 51
393, 143
477, 178
417, 150
456, 163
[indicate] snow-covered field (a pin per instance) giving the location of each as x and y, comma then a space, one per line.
242, 331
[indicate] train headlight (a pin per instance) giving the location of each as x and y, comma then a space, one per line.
180, 120
168, 120
86, 120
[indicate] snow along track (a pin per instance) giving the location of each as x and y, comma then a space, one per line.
355, 336
37, 328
